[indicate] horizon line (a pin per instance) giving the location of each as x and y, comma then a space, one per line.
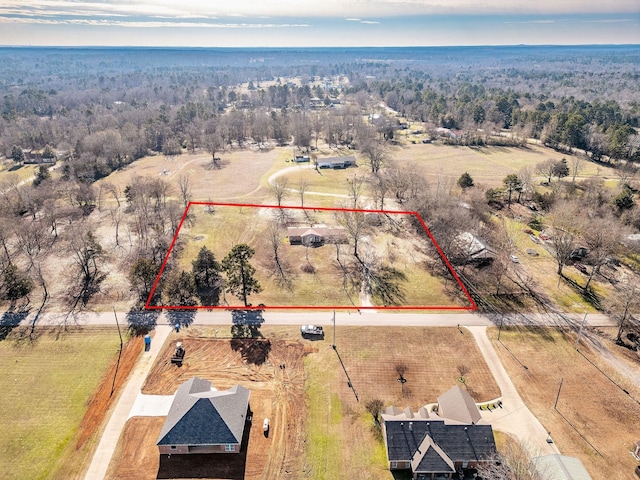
203, 47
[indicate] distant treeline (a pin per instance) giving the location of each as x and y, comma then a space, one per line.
103, 108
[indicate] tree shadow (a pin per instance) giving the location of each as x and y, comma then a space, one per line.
181, 318
11, 320
588, 296
231, 466
141, 321
247, 337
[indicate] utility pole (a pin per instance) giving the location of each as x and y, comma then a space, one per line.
558, 396
334, 329
113, 383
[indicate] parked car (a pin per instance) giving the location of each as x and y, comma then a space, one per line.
534, 239
514, 259
580, 267
532, 252
528, 231
265, 425
544, 237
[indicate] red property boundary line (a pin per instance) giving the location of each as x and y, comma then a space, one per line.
472, 305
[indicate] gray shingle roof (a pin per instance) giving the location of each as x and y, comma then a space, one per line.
406, 442
202, 416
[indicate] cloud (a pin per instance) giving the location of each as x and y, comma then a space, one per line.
112, 22
608, 20
351, 10
535, 22
370, 22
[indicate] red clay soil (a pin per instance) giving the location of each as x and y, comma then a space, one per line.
272, 368
109, 388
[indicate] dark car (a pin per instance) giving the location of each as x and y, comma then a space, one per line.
580, 267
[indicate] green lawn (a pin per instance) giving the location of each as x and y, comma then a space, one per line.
46, 386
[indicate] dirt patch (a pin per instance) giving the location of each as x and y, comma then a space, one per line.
107, 392
271, 367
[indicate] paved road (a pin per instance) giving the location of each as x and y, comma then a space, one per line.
514, 417
120, 414
348, 318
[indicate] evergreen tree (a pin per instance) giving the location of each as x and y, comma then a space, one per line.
206, 274
465, 181
240, 280
16, 284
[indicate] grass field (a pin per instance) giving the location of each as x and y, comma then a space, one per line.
324, 286
486, 165
10, 173
432, 357
46, 385
600, 411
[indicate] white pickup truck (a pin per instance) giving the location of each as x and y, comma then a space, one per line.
312, 330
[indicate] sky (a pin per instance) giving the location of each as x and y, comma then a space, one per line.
289, 23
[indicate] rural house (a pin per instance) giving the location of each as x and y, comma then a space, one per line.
467, 248
204, 420
316, 236
336, 162
433, 446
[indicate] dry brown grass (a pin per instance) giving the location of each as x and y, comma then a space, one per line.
598, 410
486, 165
312, 438
322, 284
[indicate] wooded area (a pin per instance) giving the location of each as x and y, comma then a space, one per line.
81, 114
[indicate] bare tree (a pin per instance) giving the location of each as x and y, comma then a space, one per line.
564, 223
113, 190
602, 236
575, 164
317, 125
279, 189
546, 168
379, 186
355, 187
374, 407
302, 187
282, 269
214, 143
513, 462
622, 306
184, 183
376, 154
88, 258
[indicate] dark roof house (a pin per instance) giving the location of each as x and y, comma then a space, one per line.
204, 420
336, 162
432, 445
